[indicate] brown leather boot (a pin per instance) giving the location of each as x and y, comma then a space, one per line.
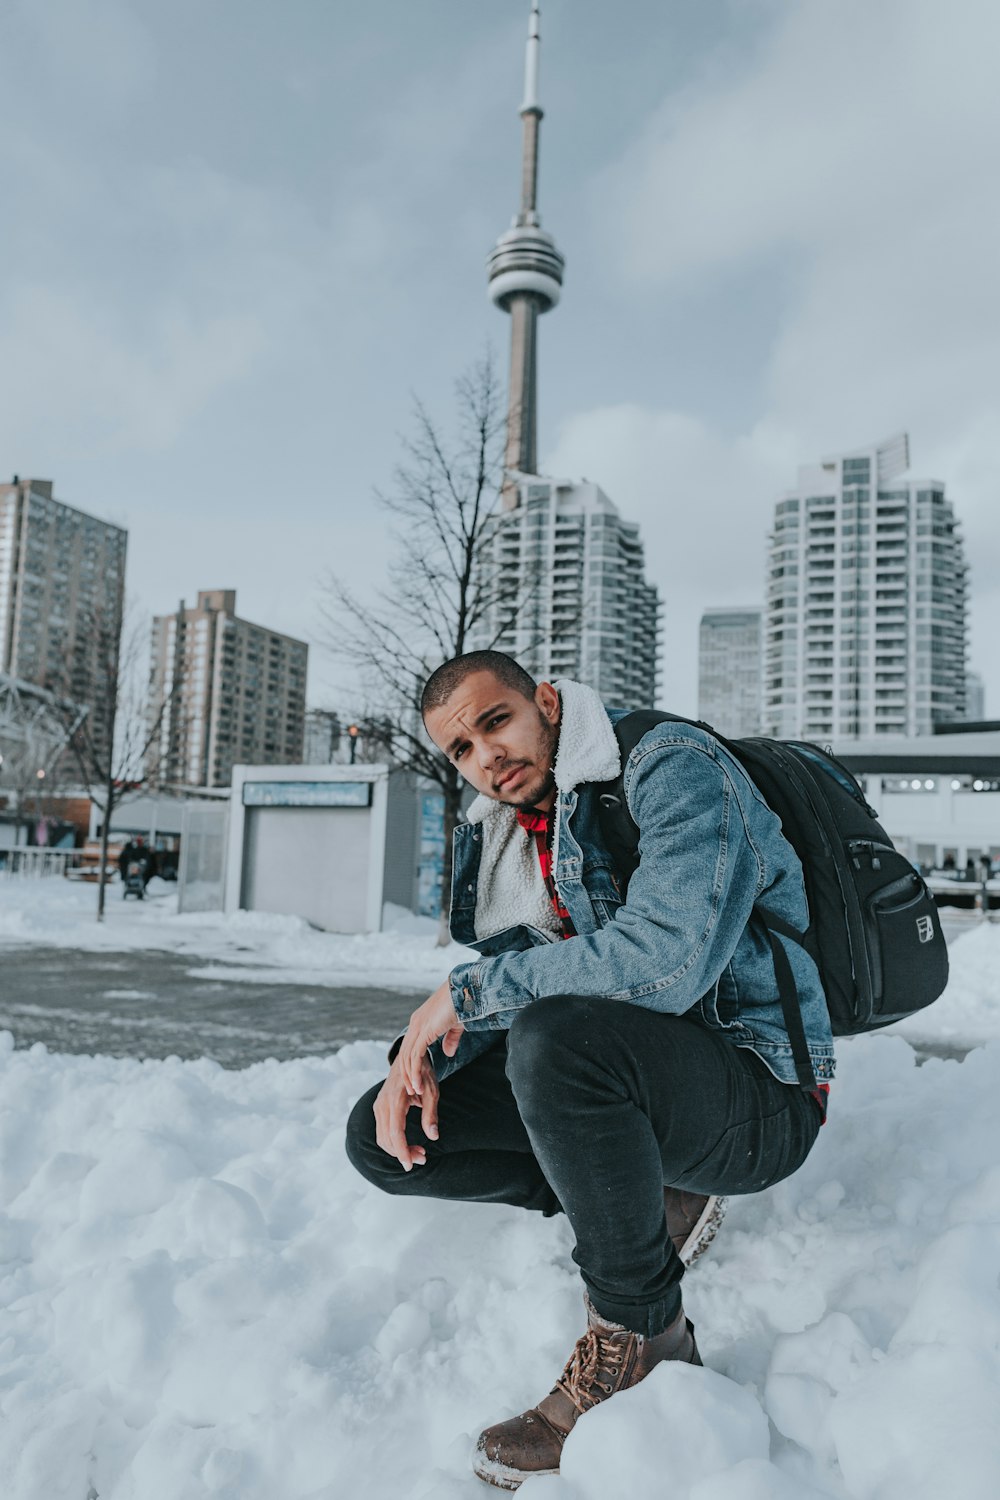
607, 1359
693, 1221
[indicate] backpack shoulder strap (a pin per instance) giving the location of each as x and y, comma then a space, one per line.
617, 826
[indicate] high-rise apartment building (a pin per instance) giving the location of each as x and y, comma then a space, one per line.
975, 697
729, 670
558, 554
231, 693
866, 606
62, 581
568, 592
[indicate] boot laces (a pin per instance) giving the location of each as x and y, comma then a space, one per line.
592, 1356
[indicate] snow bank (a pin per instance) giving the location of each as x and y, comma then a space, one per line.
201, 1299
248, 947
969, 1010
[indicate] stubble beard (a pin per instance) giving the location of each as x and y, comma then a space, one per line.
538, 793
550, 741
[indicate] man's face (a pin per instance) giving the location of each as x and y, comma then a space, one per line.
503, 744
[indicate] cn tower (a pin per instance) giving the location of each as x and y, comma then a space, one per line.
525, 277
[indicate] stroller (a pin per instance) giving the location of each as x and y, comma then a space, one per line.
134, 881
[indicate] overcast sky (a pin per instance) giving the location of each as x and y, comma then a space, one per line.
238, 237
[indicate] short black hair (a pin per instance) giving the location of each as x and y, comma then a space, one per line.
446, 678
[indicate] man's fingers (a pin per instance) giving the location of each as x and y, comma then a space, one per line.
451, 1040
429, 1110
411, 1084
390, 1110
399, 1146
381, 1120
413, 1068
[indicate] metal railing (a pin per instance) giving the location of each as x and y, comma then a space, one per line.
37, 863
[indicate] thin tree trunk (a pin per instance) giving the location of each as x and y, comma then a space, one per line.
105, 830
452, 807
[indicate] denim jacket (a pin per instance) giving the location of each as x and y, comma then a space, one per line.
686, 938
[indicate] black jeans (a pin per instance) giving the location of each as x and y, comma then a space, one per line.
591, 1106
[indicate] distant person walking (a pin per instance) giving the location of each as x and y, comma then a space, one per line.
136, 851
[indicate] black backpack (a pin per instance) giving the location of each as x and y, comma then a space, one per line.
874, 933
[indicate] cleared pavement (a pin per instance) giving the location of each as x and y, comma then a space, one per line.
149, 1005
153, 1004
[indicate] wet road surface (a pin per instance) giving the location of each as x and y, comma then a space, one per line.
149, 1005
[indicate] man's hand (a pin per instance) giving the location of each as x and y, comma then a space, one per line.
394, 1102
435, 1018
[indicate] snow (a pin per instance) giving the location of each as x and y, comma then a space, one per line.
244, 946
969, 1010
200, 1298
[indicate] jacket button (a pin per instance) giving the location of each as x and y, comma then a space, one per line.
469, 887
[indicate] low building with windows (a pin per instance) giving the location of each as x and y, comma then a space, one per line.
937, 796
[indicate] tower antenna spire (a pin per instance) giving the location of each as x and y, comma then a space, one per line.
531, 115
525, 277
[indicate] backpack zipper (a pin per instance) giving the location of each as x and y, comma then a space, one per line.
857, 847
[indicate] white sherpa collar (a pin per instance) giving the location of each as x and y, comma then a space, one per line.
587, 751
510, 887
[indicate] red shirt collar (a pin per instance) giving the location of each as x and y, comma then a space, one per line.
533, 821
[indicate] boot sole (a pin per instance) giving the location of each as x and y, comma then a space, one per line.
705, 1229
502, 1477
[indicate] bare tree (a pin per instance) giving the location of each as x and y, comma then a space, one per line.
441, 593
110, 744
33, 733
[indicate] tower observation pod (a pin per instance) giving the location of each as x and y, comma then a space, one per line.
525, 278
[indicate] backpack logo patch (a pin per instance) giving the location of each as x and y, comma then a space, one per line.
925, 929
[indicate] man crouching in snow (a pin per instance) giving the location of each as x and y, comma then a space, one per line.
600, 1048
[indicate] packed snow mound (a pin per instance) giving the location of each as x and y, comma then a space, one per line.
200, 1298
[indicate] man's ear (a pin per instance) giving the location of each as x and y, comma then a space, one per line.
548, 702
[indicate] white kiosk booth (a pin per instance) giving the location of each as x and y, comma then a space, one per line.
329, 843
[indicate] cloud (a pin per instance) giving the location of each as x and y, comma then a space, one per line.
113, 387
134, 300
96, 52
847, 121
848, 159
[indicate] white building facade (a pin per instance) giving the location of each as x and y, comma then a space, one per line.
729, 670
564, 577
865, 627
937, 797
